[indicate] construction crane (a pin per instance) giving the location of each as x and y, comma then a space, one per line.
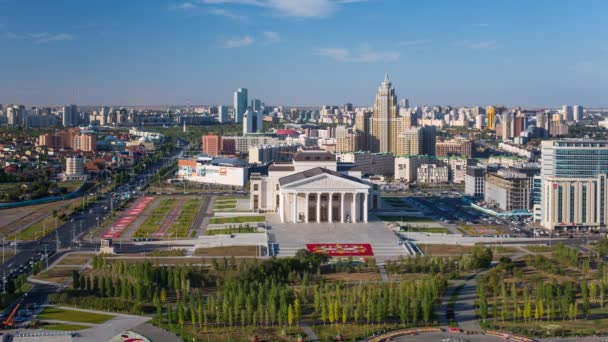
9, 322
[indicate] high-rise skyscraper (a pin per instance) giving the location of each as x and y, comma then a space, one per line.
257, 105
252, 121
567, 113
491, 116
577, 113
222, 114
240, 104
573, 184
384, 120
70, 116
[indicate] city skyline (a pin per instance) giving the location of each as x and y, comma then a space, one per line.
304, 53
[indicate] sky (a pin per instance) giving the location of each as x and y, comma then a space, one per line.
533, 53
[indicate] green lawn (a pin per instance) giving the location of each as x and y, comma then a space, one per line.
436, 230
225, 206
404, 218
64, 327
231, 231
73, 316
236, 219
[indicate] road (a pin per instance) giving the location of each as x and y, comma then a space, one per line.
68, 234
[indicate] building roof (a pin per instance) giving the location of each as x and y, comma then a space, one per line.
314, 156
281, 167
314, 172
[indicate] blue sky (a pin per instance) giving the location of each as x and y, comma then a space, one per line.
304, 52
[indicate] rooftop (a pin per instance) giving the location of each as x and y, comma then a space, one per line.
314, 155
314, 172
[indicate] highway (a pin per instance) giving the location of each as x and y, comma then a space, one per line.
68, 235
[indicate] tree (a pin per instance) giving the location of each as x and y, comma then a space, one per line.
297, 311
290, 316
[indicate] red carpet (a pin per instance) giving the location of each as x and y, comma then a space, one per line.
341, 249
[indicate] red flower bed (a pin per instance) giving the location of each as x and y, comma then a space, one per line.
341, 249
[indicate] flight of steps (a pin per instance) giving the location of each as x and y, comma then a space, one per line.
380, 250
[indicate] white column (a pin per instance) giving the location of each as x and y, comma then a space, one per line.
365, 209
331, 207
342, 207
353, 208
306, 208
318, 207
294, 207
282, 207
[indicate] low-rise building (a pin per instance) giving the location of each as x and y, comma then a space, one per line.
474, 182
272, 153
509, 189
432, 174
205, 169
406, 167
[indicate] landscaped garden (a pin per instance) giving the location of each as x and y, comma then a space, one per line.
237, 219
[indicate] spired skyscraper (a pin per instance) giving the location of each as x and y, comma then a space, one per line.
384, 120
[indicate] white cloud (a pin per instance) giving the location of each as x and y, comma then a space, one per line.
477, 45
222, 12
271, 37
39, 37
483, 25
416, 42
362, 55
184, 6
291, 8
238, 42
46, 37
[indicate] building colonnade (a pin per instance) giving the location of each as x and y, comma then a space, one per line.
329, 207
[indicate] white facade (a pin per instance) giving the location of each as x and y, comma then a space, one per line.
310, 190
432, 174
474, 182
204, 172
406, 168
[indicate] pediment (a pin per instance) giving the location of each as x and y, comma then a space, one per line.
325, 182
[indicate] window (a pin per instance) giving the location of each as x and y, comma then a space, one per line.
255, 187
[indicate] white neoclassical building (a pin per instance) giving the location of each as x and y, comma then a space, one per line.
310, 190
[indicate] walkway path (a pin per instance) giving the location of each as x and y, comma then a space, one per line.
464, 305
383, 273
310, 334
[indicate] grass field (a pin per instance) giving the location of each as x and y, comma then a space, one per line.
152, 222
434, 230
225, 203
227, 251
231, 231
236, 219
56, 274
444, 249
538, 248
185, 219
404, 218
480, 230
75, 259
73, 316
64, 327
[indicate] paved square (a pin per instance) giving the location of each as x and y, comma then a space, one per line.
291, 237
